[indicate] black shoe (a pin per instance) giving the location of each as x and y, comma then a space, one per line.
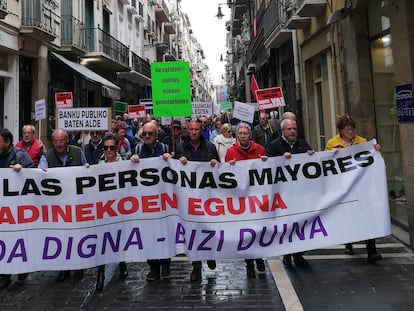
22, 276
300, 261
250, 271
165, 272
100, 278
5, 280
196, 275
78, 274
260, 265
63, 275
211, 264
349, 249
153, 275
123, 270
287, 261
374, 257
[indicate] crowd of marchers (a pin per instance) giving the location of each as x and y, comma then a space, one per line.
212, 139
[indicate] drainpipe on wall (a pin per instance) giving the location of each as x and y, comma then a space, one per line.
298, 98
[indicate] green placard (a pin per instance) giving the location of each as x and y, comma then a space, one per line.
226, 106
171, 89
120, 106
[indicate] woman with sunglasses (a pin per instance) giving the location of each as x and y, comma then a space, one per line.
224, 141
110, 146
347, 137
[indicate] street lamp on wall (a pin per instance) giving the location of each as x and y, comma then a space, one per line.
219, 14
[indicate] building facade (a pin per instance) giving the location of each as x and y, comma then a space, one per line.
100, 50
332, 57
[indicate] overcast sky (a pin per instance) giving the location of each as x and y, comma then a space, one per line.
209, 31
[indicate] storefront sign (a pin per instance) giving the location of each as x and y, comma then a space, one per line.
405, 102
171, 89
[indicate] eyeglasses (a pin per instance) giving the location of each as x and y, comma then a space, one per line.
349, 128
59, 141
147, 133
107, 148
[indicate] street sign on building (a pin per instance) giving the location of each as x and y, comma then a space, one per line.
171, 89
405, 102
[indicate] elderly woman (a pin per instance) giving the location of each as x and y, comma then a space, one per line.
347, 137
224, 140
245, 149
110, 147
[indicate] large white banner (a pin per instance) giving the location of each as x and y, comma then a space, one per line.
77, 217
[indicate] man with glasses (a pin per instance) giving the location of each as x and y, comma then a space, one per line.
61, 155
197, 148
286, 145
151, 147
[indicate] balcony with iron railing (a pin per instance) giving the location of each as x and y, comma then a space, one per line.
3, 9
73, 33
274, 22
162, 12
140, 65
39, 19
100, 44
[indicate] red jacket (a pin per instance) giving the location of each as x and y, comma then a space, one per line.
238, 153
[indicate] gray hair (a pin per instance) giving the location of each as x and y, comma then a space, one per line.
243, 125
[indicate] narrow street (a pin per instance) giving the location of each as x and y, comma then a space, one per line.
334, 281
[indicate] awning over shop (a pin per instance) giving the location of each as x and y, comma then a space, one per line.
135, 77
108, 88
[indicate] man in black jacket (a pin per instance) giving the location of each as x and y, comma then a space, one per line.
196, 148
286, 145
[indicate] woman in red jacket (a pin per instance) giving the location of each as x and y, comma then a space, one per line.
245, 148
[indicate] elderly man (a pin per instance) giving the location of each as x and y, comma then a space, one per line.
33, 146
263, 133
15, 158
151, 147
61, 155
286, 145
197, 148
